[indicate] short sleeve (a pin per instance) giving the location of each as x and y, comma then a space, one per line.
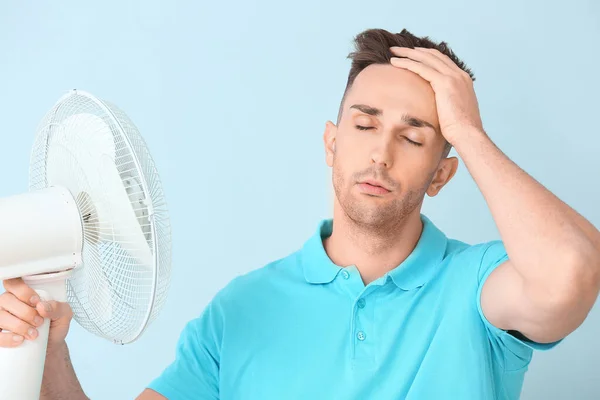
494, 255
195, 372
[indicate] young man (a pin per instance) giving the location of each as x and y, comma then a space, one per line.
379, 303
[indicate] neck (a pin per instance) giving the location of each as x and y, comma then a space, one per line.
374, 253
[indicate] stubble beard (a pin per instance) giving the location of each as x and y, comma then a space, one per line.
372, 215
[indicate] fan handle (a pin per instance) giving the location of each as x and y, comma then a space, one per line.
22, 367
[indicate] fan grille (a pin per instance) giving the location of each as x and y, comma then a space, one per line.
114, 294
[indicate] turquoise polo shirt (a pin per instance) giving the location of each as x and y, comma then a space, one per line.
305, 328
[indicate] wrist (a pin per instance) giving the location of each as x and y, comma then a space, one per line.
57, 349
60, 380
459, 136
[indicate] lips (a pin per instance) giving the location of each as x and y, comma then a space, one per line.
375, 184
373, 188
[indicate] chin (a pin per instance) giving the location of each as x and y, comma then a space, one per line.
372, 214
379, 211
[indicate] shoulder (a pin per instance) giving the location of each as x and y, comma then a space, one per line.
479, 258
246, 296
261, 284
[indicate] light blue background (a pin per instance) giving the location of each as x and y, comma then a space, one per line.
232, 99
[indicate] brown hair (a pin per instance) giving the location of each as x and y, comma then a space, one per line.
373, 47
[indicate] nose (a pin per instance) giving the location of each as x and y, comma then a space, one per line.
382, 154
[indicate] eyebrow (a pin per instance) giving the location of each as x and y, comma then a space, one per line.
409, 119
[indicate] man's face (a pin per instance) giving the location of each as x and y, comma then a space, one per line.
386, 151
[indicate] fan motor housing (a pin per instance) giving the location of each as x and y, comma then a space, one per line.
40, 232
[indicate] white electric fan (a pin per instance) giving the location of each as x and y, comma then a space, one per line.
93, 230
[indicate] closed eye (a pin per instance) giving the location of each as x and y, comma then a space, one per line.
366, 128
414, 143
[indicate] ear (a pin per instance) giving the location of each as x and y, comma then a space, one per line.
329, 142
446, 170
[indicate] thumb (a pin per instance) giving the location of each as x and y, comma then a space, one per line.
54, 310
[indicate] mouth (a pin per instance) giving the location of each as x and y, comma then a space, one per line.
373, 187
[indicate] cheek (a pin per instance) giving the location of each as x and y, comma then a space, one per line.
414, 170
342, 171
353, 153
360, 144
338, 168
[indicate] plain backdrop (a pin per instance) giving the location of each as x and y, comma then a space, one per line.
232, 98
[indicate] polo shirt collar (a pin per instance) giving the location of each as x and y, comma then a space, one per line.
422, 264
418, 268
318, 267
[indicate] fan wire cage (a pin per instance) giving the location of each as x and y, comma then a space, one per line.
113, 294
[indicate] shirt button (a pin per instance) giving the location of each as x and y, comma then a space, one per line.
345, 274
361, 336
361, 303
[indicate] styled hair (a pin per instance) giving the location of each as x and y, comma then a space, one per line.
373, 47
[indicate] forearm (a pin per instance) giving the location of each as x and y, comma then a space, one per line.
60, 381
547, 241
